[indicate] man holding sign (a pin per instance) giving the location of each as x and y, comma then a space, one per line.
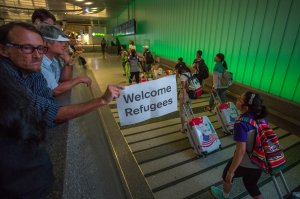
140, 102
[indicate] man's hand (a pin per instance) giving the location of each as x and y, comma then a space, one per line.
112, 92
66, 57
85, 80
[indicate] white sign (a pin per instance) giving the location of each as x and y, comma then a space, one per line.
146, 100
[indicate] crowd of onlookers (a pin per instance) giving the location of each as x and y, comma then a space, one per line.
36, 64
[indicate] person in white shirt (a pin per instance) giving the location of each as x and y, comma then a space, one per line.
59, 79
131, 46
183, 72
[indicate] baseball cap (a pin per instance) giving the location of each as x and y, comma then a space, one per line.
146, 47
53, 33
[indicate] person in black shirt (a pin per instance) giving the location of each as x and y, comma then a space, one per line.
180, 63
200, 67
25, 167
118, 44
103, 46
148, 59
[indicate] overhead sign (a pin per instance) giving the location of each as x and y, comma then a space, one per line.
147, 100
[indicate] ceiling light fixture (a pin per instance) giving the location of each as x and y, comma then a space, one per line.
88, 3
79, 0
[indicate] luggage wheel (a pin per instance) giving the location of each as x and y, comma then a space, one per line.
227, 133
220, 148
203, 155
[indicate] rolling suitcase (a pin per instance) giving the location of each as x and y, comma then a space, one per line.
227, 113
200, 132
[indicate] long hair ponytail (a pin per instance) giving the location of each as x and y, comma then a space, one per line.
255, 105
222, 59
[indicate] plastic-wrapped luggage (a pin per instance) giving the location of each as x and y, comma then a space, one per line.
201, 133
227, 113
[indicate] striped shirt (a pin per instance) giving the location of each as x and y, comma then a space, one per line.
36, 87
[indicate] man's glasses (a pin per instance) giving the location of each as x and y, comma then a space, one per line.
29, 49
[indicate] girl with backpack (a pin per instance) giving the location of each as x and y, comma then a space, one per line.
251, 106
219, 69
200, 68
148, 59
183, 72
134, 65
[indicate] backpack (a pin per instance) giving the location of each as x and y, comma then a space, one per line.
227, 79
149, 58
134, 64
194, 88
202, 69
266, 151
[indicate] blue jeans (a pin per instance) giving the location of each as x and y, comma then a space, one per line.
222, 94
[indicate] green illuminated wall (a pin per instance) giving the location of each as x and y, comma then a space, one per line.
260, 38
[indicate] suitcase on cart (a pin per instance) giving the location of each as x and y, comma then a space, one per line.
200, 132
226, 112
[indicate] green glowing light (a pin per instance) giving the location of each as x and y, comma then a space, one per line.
97, 34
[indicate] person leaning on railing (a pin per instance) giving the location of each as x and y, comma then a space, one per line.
21, 51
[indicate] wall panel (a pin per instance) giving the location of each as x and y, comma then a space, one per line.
203, 31
260, 38
291, 50
256, 28
227, 26
240, 29
223, 27
232, 32
263, 46
246, 39
285, 49
275, 43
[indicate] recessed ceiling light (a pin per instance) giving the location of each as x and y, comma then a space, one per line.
79, 0
94, 8
88, 3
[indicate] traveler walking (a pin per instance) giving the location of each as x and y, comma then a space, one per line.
134, 64
183, 72
251, 106
218, 88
